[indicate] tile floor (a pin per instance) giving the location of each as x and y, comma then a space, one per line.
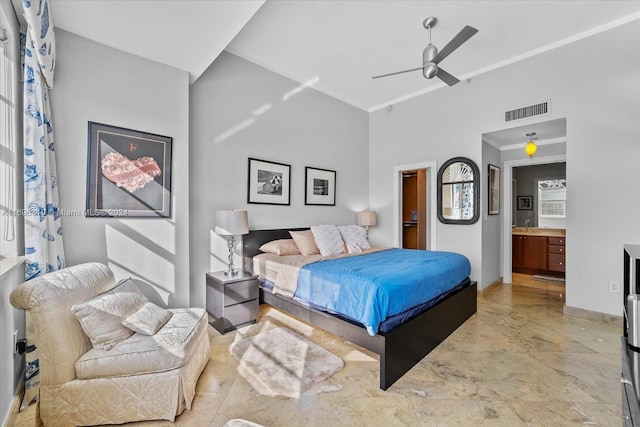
518, 362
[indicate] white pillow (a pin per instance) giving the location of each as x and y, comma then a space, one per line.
354, 235
101, 316
148, 319
328, 239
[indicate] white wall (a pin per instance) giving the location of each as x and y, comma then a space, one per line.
241, 110
603, 130
97, 83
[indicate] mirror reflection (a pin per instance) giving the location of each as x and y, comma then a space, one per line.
458, 181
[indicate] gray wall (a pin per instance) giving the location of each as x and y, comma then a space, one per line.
101, 84
526, 177
491, 231
602, 130
241, 110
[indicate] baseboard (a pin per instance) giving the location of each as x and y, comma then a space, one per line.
15, 405
592, 315
490, 286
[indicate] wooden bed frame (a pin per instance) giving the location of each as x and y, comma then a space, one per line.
399, 349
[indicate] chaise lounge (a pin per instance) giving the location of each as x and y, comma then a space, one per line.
96, 371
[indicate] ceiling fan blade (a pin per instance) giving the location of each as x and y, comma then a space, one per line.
465, 34
397, 72
446, 77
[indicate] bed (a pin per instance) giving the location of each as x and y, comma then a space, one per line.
400, 346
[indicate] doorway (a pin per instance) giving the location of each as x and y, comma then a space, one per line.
506, 148
414, 209
509, 208
429, 193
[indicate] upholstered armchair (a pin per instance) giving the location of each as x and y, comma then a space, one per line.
94, 370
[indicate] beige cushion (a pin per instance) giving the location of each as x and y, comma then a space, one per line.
281, 247
305, 242
101, 316
168, 349
148, 319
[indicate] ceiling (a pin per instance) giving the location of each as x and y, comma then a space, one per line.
337, 46
184, 34
547, 132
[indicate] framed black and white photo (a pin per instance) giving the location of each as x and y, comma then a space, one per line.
525, 203
128, 173
269, 183
320, 187
494, 190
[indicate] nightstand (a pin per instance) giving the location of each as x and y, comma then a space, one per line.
232, 301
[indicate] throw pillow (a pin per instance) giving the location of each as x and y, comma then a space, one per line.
101, 316
354, 235
281, 247
328, 239
148, 320
305, 242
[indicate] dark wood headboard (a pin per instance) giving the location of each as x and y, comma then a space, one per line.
251, 242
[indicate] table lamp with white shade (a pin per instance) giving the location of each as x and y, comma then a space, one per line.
367, 219
231, 223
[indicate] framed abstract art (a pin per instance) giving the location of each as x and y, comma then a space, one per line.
128, 173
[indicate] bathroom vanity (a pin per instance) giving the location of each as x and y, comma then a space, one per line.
538, 250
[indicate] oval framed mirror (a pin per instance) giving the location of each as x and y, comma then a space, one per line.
459, 191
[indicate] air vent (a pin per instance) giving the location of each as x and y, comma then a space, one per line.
526, 112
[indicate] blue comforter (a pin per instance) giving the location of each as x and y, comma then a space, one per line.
370, 287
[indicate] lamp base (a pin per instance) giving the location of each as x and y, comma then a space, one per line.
231, 271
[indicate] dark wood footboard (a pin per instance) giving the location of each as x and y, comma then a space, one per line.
404, 346
410, 342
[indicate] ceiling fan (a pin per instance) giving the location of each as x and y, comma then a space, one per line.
431, 57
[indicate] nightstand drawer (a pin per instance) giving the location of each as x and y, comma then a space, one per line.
238, 292
242, 313
235, 316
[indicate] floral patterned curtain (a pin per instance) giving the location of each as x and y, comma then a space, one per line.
44, 250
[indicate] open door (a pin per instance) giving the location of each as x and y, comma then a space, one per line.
414, 209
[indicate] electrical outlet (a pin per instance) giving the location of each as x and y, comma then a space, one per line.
614, 287
15, 342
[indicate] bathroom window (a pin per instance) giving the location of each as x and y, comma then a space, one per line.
552, 203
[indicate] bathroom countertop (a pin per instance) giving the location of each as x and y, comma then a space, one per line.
538, 231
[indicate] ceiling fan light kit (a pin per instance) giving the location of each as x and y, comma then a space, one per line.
431, 57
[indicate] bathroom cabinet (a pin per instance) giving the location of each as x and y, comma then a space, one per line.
538, 250
556, 260
529, 254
